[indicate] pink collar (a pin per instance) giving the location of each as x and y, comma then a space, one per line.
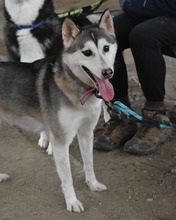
87, 95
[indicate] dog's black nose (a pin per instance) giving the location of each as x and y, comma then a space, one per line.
107, 73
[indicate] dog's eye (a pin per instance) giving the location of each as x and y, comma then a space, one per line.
106, 49
87, 53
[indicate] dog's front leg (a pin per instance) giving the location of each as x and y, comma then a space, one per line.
61, 157
85, 138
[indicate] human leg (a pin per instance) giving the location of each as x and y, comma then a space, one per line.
148, 42
123, 25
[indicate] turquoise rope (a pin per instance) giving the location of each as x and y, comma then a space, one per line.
128, 112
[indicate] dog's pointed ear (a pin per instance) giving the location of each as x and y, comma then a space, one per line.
106, 22
69, 32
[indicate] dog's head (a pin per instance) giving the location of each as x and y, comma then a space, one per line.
90, 52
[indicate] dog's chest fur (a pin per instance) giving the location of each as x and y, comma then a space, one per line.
23, 12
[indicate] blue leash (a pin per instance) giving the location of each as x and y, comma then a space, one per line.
128, 112
118, 108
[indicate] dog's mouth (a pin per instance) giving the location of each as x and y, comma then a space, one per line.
91, 76
104, 87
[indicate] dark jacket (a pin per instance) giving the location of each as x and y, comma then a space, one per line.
146, 9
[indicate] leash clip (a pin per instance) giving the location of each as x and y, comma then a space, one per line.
97, 94
114, 112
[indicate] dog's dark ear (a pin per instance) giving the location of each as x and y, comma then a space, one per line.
106, 22
69, 32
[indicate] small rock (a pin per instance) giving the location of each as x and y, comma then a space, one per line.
149, 199
173, 170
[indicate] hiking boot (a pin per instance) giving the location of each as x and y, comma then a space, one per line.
149, 136
117, 132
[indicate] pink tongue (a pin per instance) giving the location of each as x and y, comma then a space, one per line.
105, 88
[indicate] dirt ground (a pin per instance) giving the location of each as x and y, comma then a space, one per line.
139, 188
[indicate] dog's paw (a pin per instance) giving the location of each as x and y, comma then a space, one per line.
75, 206
43, 142
96, 186
4, 177
49, 150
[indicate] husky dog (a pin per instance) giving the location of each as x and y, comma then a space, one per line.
32, 32
58, 96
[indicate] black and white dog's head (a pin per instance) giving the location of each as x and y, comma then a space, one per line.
90, 53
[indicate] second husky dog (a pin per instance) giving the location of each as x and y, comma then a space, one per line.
32, 32
47, 95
